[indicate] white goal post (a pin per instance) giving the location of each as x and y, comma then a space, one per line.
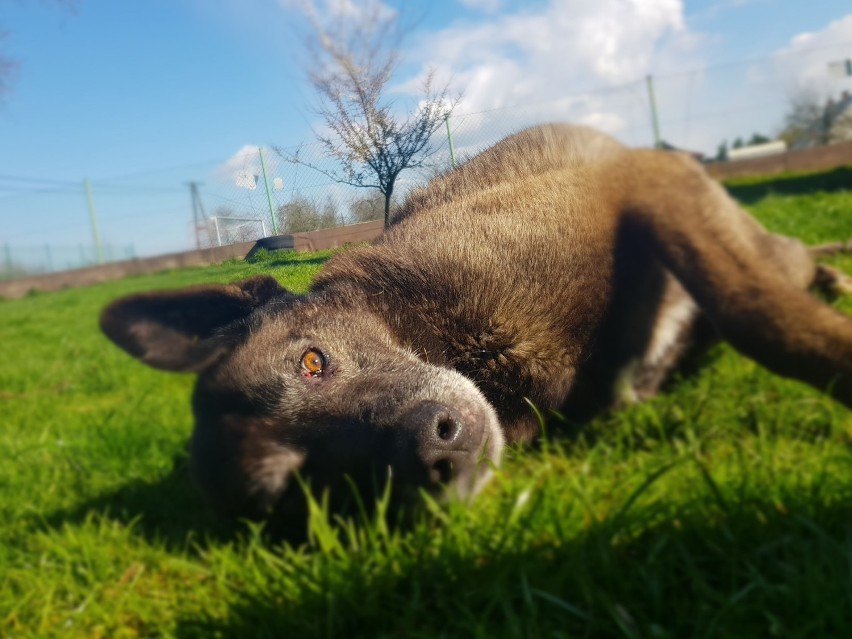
230, 230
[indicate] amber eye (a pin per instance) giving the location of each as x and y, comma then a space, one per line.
313, 362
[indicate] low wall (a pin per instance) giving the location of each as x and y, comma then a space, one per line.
333, 238
816, 159
312, 241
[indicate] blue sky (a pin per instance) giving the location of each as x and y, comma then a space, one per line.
149, 94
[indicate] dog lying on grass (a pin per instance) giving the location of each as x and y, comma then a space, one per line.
557, 268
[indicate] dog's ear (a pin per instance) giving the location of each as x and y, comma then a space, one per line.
182, 330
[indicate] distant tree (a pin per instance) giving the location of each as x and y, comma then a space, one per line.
354, 54
841, 128
369, 208
738, 144
722, 152
808, 122
757, 138
302, 214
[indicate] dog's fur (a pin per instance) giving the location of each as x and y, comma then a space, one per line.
558, 268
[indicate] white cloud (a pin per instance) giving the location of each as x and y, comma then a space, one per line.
609, 122
535, 57
327, 11
803, 65
561, 48
598, 53
244, 168
246, 161
585, 61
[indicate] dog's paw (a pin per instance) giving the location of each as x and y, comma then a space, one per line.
832, 281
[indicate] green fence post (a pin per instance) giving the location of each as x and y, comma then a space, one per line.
655, 123
93, 219
450, 139
268, 196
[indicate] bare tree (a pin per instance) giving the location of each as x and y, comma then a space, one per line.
841, 128
354, 54
805, 123
368, 208
813, 121
8, 69
302, 214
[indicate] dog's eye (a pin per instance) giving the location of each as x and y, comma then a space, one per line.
313, 362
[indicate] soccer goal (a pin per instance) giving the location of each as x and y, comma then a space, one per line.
231, 230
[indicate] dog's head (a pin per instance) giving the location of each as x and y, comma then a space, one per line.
306, 387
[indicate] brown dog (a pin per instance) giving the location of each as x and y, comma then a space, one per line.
557, 267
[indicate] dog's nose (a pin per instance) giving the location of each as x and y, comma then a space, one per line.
446, 442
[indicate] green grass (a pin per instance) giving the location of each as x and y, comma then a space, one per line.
722, 508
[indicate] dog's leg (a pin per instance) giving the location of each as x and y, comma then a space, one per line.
749, 283
680, 329
832, 281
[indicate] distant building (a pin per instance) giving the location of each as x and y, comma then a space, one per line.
757, 150
834, 124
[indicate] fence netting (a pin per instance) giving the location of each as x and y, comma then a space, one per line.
259, 190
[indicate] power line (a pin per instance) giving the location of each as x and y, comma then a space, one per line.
137, 189
45, 191
743, 61
43, 181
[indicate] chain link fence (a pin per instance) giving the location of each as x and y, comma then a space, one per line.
260, 191
20, 261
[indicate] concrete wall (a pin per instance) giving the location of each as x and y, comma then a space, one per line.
816, 159
312, 241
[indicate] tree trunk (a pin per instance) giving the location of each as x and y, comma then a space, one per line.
388, 195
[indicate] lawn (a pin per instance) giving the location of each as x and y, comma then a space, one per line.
722, 508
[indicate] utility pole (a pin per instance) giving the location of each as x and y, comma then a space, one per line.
10, 265
99, 251
450, 138
658, 142
268, 196
199, 217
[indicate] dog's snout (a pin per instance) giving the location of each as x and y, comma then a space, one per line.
446, 441
436, 426
448, 429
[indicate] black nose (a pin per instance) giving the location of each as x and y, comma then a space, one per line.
444, 444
